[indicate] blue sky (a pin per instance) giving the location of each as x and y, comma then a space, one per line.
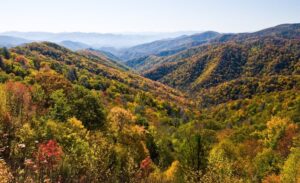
146, 15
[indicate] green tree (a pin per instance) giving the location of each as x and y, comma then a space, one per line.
266, 163
291, 168
222, 158
60, 109
87, 107
193, 154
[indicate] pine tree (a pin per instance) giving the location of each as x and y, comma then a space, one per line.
1, 63
5, 53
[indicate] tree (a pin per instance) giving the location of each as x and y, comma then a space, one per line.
51, 82
266, 163
48, 158
193, 154
284, 144
291, 169
72, 74
275, 129
119, 119
21, 59
61, 109
18, 99
5, 53
87, 107
172, 174
2, 65
84, 81
5, 174
273, 178
152, 147
222, 158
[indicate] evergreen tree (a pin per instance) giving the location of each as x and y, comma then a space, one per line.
5, 53
1, 63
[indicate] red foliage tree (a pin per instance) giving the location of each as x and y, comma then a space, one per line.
51, 82
18, 100
22, 60
49, 155
146, 167
285, 143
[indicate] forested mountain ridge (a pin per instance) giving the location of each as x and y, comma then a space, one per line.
150, 61
145, 63
285, 31
71, 64
255, 57
108, 58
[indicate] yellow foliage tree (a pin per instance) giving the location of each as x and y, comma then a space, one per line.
275, 127
171, 173
291, 168
5, 175
119, 120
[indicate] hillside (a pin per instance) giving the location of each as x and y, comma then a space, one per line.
255, 56
46, 87
107, 58
64, 62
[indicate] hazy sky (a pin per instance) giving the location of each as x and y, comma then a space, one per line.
146, 15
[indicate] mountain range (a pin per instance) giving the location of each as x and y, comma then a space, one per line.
94, 40
228, 61
207, 107
9, 41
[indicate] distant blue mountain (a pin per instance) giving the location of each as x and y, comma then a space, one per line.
96, 40
9, 41
74, 45
166, 47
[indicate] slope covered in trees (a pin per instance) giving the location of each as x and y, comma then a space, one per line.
65, 116
249, 61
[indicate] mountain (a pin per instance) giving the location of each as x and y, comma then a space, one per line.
96, 40
167, 46
87, 100
232, 62
153, 60
9, 41
286, 31
110, 60
87, 67
74, 45
106, 54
